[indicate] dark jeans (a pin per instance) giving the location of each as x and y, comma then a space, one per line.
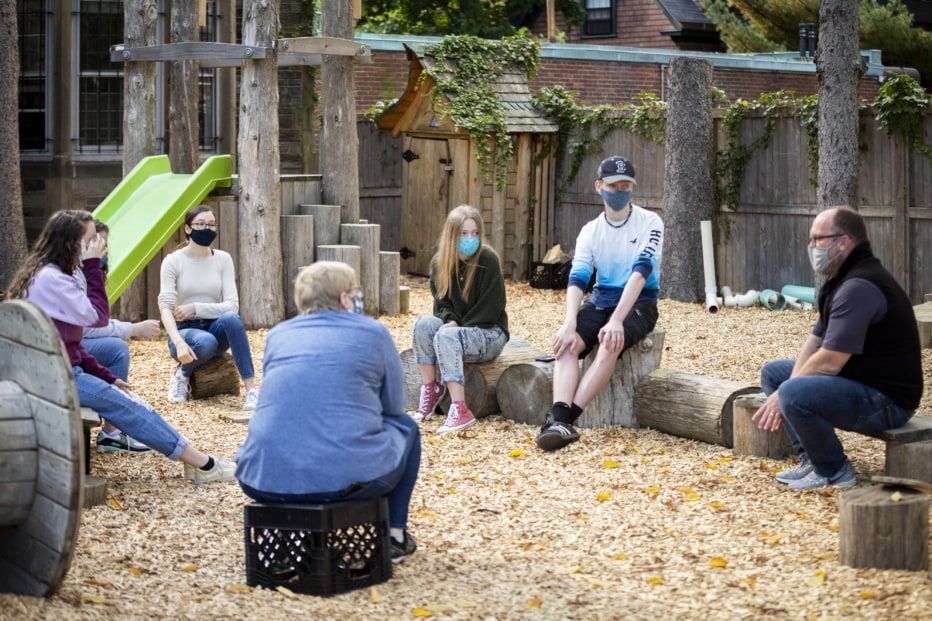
212, 337
398, 484
814, 406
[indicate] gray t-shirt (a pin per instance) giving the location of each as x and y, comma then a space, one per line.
857, 304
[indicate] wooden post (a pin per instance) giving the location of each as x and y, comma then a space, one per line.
183, 76
366, 236
326, 222
340, 168
297, 252
389, 275
689, 406
878, 529
525, 392
751, 440
614, 405
923, 314
404, 300
259, 161
340, 252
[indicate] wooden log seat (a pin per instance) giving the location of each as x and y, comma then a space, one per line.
482, 378
689, 406
749, 439
884, 527
909, 449
217, 376
41, 458
614, 405
923, 314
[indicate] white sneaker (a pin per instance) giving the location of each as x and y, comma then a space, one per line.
178, 387
252, 399
223, 470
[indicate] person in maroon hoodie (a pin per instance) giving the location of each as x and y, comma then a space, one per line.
47, 279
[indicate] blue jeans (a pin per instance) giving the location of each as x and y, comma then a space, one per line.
814, 406
451, 347
129, 414
111, 352
398, 484
212, 337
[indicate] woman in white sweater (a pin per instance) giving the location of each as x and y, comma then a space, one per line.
199, 306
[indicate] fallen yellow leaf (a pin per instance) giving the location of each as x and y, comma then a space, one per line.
711, 466
715, 505
516, 453
422, 612
575, 569
775, 539
134, 570
868, 595
244, 588
533, 603
116, 504
98, 549
594, 581
801, 516
620, 557
463, 460
432, 440
374, 595
691, 497
718, 561
650, 490
724, 460
188, 567
425, 513
896, 496
93, 599
438, 607
465, 603
645, 459
752, 580
452, 490
686, 490
603, 496
817, 579
610, 463
655, 580
833, 527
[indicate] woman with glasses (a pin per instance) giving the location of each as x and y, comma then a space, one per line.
199, 307
344, 435
469, 323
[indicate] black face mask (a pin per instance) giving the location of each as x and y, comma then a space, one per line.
203, 237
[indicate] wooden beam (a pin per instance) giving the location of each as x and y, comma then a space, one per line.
323, 45
206, 52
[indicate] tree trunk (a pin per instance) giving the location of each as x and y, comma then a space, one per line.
687, 183
260, 247
13, 229
183, 126
839, 69
340, 171
140, 29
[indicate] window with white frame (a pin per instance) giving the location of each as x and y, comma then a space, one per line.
34, 22
99, 82
600, 18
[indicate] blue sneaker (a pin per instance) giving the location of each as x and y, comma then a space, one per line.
122, 443
799, 472
843, 478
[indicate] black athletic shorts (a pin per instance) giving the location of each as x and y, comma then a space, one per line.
638, 324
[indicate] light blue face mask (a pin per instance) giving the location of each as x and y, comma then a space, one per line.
616, 200
468, 246
357, 303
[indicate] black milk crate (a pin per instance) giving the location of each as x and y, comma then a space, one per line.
318, 549
550, 275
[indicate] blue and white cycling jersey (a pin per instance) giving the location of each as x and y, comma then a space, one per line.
616, 252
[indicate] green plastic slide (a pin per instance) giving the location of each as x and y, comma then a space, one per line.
147, 207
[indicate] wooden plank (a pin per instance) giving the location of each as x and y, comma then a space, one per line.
14, 580
24, 323
16, 498
60, 479
917, 429
323, 45
37, 565
19, 465
54, 429
203, 51
17, 435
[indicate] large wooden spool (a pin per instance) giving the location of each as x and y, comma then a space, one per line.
689, 406
41, 453
884, 527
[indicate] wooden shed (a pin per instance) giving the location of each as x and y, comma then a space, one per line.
441, 171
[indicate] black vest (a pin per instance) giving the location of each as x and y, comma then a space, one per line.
891, 361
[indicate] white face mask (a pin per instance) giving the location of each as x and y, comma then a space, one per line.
819, 258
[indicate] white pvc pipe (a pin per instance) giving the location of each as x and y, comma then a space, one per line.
708, 262
748, 299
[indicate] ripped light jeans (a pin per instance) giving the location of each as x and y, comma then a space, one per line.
451, 347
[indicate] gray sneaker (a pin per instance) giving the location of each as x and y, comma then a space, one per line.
843, 478
799, 472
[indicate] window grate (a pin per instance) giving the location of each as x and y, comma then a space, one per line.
600, 18
33, 21
100, 82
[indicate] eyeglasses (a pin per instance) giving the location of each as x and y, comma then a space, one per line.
357, 290
815, 239
200, 226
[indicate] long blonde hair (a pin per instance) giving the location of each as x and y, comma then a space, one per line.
447, 260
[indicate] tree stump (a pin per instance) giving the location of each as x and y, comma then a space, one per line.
326, 223
404, 299
481, 377
366, 236
216, 376
297, 252
525, 392
343, 253
749, 439
689, 406
614, 405
884, 527
389, 275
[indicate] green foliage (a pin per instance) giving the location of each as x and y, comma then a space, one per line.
489, 19
755, 26
464, 72
901, 105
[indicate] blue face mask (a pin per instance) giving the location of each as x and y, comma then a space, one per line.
468, 246
616, 200
103, 262
357, 303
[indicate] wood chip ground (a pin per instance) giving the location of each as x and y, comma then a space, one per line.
623, 524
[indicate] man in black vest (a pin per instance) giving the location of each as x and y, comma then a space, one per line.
859, 370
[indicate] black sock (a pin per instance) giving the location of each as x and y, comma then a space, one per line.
209, 465
575, 412
561, 412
